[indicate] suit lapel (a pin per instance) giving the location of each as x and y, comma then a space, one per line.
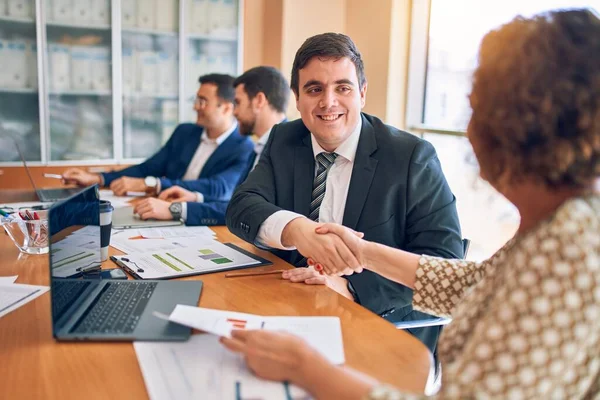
304, 170
222, 151
363, 172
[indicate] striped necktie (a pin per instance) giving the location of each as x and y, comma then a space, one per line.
325, 161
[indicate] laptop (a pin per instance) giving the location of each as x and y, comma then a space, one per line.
104, 309
124, 218
47, 195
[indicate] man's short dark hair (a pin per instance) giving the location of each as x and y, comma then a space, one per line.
269, 81
224, 84
325, 46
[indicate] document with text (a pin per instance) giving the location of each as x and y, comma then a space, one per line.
322, 333
202, 368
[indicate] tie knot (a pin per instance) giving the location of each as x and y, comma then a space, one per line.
326, 159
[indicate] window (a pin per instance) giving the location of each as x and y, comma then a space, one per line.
445, 38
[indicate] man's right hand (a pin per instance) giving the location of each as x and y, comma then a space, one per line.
80, 177
179, 194
327, 249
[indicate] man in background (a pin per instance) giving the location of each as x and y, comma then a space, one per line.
261, 99
211, 151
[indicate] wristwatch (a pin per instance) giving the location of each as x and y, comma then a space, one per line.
175, 209
151, 183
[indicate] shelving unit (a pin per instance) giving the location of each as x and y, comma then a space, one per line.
115, 89
199, 36
16, 20
70, 25
149, 32
80, 93
18, 90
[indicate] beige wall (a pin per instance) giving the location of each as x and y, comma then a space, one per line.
301, 20
275, 29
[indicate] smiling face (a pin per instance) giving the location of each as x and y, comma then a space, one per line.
210, 109
330, 99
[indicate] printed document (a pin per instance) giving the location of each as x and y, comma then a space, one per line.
13, 296
168, 258
322, 333
202, 368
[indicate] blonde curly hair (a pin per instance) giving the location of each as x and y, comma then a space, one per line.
536, 100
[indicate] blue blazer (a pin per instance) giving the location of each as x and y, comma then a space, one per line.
218, 177
211, 211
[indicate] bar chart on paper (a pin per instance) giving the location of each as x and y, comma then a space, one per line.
172, 257
202, 368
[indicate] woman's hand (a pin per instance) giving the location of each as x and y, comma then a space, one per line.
276, 356
353, 241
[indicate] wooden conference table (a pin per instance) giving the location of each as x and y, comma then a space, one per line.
33, 365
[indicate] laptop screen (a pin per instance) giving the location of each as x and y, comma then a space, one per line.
74, 226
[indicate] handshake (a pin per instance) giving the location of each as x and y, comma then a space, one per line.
330, 248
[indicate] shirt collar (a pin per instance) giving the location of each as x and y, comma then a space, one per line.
261, 142
347, 149
259, 145
221, 138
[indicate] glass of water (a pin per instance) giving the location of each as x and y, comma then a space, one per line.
31, 237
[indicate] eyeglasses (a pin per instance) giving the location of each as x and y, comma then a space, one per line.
200, 102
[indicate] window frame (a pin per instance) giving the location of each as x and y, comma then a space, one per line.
417, 72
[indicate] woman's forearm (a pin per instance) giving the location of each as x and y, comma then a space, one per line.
326, 381
394, 264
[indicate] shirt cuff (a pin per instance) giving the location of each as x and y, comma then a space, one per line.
184, 211
269, 233
101, 179
199, 197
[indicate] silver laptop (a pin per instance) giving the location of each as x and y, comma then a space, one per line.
104, 309
47, 195
124, 218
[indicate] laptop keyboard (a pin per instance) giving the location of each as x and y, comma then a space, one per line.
64, 294
117, 309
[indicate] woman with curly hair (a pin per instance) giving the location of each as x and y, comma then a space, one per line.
526, 322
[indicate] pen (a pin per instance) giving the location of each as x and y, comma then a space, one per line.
55, 176
233, 275
3, 213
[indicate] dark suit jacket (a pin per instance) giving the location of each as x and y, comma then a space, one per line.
217, 178
398, 196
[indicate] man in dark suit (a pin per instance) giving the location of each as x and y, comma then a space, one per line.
211, 151
339, 165
261, 98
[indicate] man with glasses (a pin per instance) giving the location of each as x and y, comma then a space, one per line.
207, 157
261, 98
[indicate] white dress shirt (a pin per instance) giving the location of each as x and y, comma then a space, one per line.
260, 145
205, 149
336, 192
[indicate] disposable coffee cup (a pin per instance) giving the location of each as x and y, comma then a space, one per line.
106, 212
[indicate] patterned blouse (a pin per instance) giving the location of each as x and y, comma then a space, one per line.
526, 322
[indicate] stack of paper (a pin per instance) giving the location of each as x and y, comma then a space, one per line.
322, 333
202, 368
13, 295
144, 240
176, 257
